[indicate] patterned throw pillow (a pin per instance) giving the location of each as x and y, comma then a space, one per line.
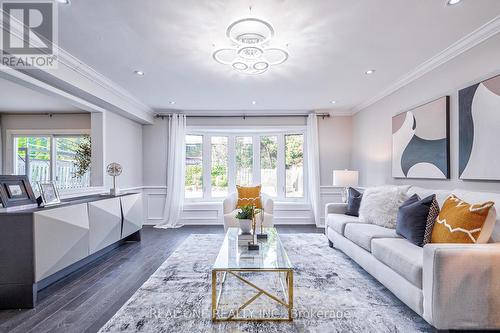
248, 196
431, 219
461, 222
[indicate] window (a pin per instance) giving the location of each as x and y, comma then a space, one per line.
66, 173
269, 165
294, 165
219, 166
46, 158
244, 160
273, 159
194, 172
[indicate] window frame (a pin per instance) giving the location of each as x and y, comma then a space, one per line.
11, 151
243, 131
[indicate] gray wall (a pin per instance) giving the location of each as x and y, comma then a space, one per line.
371, 128
123, 144
335, 135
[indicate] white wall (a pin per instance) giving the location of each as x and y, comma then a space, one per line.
335, 134
123, 144
371, 135
334, 137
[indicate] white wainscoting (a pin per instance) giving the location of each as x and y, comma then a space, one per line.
211, 212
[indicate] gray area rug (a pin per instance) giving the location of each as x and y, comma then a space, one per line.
331, 294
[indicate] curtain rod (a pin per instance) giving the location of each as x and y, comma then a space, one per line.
244, 116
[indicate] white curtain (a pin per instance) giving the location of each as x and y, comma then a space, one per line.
313, 166
175, 171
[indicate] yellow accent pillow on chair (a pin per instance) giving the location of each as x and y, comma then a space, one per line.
248, 196
461, 222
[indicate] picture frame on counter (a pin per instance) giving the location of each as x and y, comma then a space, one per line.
15, 190
49, 193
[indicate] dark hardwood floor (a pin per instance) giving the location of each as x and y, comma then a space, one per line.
85, 300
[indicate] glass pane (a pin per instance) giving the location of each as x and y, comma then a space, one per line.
244, 160
194, 171
219, 166
73, 162
268, 165
33, 158
294, 165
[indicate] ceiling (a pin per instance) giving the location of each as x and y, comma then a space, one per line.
16, 98
331, 44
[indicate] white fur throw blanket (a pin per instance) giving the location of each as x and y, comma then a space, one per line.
380, 205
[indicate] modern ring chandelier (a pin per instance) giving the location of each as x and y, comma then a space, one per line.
251, 52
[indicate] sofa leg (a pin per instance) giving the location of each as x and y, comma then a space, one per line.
330, 244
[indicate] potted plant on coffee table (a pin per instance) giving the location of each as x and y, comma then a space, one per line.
245, 216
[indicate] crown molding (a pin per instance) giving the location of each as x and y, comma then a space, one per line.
77, 83
464, 44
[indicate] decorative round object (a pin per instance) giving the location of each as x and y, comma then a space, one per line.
114, 169
250, 51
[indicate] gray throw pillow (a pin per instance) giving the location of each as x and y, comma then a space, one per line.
412, 218
353, 202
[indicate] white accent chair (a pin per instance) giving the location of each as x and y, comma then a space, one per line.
230, 211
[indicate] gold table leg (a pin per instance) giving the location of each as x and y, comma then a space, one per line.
214, 295
286, 303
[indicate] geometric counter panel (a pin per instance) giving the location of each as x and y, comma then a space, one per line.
105, 223
132, 213
61, 238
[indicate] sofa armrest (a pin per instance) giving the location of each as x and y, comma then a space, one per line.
229, 203
335, 208
461, 285
267, 204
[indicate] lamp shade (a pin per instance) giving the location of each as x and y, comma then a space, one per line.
345, 178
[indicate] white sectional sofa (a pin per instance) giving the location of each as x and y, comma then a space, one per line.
452, 286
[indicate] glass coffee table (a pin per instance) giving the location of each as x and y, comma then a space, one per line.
237, 261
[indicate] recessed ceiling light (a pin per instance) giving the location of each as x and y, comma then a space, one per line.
333, 102
370, 71
453, 2
254, 102
172, 102
140, 73
64, 2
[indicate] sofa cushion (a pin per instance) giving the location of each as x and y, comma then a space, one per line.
402, 256
471, 196
362, 234
338, 222
380, 205
413, 217
353, 202
461, 222
249, 195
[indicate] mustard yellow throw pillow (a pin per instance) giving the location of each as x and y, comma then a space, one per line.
461, 222
248, 196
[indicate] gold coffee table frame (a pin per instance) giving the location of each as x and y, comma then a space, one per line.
286, 302
236, 261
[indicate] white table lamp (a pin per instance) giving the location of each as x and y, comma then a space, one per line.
345, 178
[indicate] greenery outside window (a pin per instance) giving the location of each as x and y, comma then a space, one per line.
64, 159
274, 159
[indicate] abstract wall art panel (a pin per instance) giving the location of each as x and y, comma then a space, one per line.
479, 131
421, 141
